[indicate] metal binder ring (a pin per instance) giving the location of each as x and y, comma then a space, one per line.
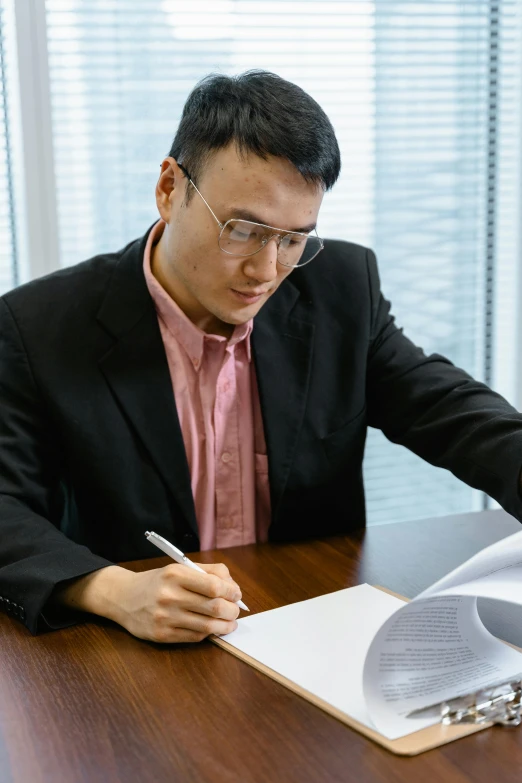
501, 704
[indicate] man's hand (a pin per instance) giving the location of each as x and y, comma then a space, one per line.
171, 604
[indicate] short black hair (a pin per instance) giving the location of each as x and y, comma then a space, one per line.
263, 114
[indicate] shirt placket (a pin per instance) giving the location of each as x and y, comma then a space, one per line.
229, 511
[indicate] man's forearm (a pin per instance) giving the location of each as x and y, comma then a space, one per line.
98, 593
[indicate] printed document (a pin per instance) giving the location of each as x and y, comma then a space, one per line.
377, 658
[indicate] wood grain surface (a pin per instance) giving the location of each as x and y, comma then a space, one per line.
91, 703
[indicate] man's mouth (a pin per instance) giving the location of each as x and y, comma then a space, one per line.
250, 297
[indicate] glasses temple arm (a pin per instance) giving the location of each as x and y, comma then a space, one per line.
220, 224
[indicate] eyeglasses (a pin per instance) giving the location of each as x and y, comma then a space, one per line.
246, 238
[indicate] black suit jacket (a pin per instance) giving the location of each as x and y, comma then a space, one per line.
91, 450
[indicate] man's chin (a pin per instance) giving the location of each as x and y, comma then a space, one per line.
237, 319
242, 314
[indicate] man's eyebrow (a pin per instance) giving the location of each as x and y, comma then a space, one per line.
245, 214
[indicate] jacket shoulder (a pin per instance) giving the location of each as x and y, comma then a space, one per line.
70, 291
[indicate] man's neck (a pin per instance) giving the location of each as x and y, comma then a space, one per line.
207, 322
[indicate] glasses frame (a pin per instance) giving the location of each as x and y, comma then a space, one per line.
279, 233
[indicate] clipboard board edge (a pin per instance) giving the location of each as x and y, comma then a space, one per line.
410, 745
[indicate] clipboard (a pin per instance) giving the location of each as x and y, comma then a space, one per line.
410, 745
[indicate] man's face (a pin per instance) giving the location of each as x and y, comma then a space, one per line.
206, 282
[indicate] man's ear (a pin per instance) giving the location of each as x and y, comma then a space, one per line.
171, 181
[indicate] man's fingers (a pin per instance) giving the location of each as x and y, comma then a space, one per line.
201, 624
182, 635
172, 635
211, 607
209, 585
219, 569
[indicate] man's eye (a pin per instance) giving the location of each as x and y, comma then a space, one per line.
242, 236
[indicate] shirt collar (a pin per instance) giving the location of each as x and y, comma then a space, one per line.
190, 336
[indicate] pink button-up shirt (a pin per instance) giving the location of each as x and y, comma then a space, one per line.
217, 400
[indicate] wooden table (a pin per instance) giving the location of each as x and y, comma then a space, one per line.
91, 703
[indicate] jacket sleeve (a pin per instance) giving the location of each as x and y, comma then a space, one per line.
34, 555
440, 412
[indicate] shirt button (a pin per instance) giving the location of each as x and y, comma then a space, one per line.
226, 457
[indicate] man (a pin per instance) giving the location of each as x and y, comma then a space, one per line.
213, 382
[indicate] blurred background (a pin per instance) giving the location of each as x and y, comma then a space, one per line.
425, 98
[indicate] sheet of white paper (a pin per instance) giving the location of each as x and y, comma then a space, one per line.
431, 650
505, 553
320, 644
503, 585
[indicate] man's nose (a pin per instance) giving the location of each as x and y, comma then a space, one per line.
263, 265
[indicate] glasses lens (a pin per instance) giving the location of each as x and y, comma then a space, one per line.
296, 250
242, 238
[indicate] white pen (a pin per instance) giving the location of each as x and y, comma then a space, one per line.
177, 555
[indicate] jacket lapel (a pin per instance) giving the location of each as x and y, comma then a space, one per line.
282, 343
137, 372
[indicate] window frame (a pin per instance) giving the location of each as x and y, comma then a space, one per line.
40, 214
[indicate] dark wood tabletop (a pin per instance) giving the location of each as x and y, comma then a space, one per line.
92, 703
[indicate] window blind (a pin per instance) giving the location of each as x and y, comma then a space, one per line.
412, 89
8, 245
444, 162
